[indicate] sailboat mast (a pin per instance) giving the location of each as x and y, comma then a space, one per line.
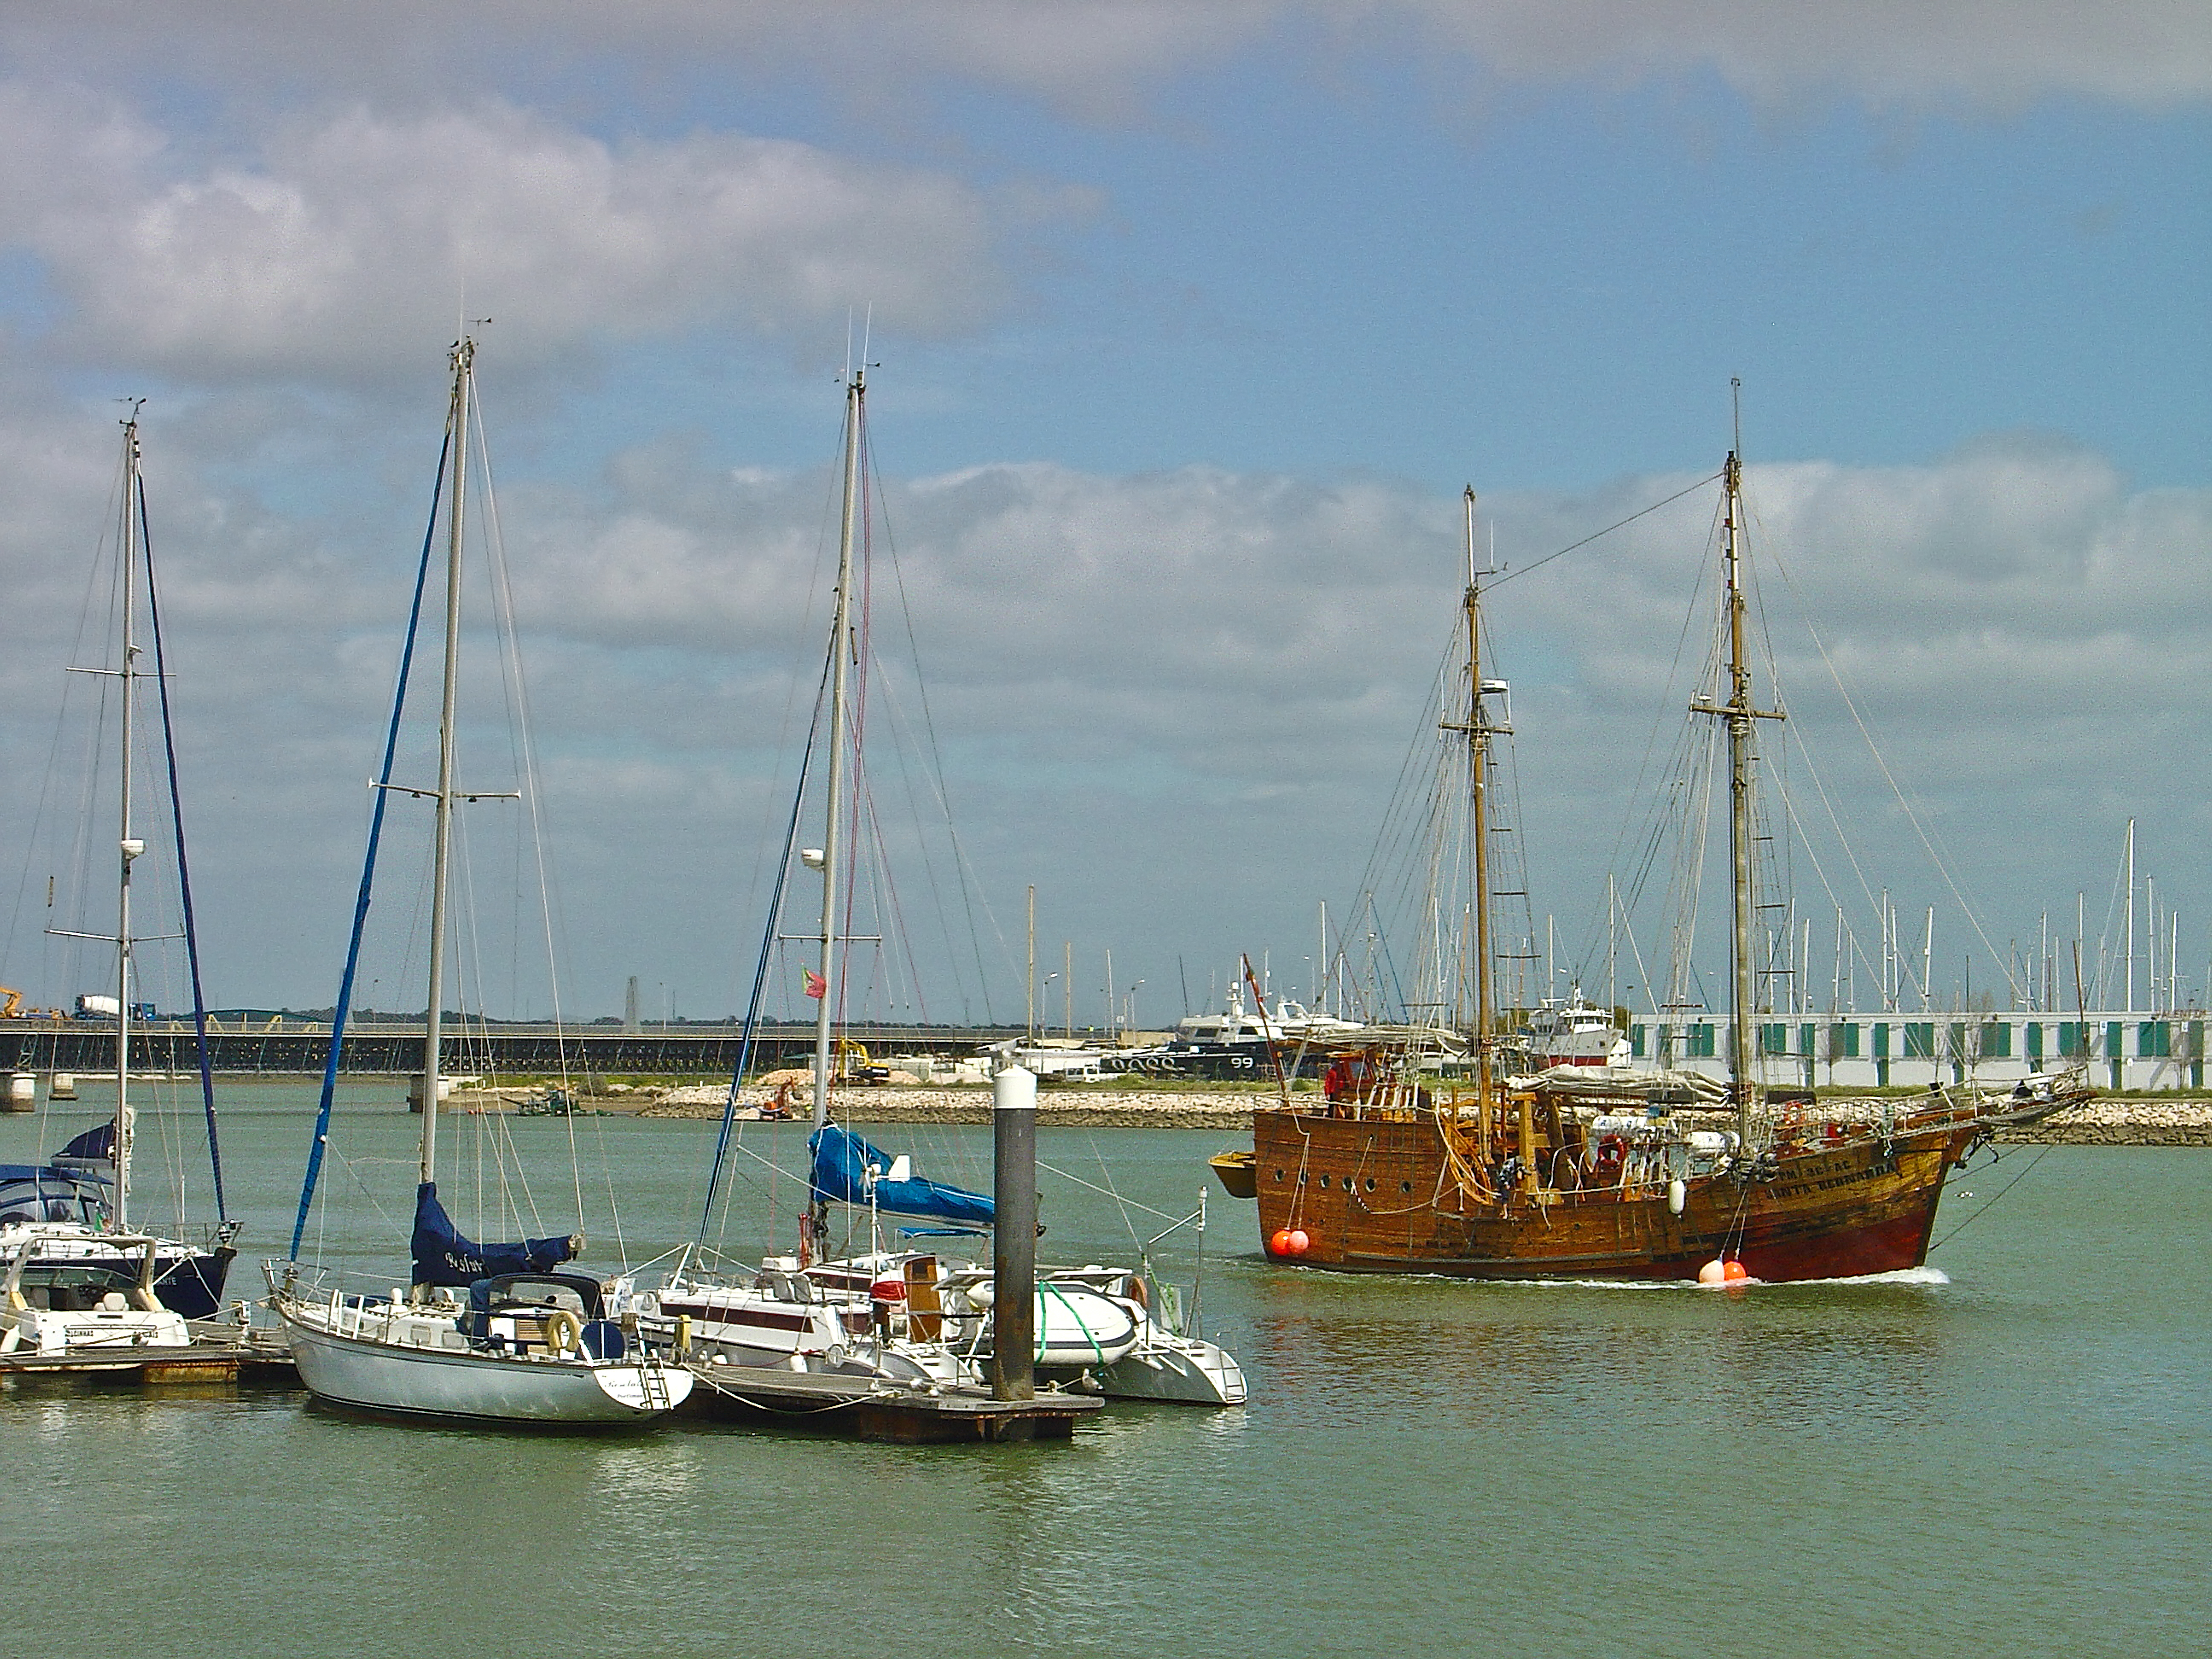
840, 656
129, 846
457, 422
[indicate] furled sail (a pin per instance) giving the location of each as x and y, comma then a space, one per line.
443, 1256
93, 1150
842, 1160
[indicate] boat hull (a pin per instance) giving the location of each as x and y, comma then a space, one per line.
380, 1376
1376, 1194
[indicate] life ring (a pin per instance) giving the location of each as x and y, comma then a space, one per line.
1610, 1158
563, 1330
1138, 1294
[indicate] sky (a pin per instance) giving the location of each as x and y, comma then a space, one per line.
1186, 326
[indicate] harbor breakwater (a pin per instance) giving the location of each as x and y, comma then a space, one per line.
2185, 1122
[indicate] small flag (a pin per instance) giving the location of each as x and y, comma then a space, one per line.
817, 987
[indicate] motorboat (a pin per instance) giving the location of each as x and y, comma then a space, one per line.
67, 1296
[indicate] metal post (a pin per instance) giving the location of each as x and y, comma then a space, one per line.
1013, 1234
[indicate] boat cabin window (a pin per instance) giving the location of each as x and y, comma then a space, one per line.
75, 1288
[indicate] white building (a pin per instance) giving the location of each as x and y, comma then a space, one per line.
1858, 1051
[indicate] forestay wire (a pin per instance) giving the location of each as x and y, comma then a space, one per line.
382, 792
184, 871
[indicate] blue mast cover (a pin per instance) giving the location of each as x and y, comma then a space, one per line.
443, 1256
841, 1164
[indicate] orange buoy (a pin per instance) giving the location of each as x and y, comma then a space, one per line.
1281, 1244
1736, 1272
1298, 1241
1713, 1273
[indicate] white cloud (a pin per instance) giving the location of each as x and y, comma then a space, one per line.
2148, 53
1175, 701
1098, 58
348, 239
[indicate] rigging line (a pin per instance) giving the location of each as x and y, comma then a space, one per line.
1660, 718
1126, 1203
183, 869
1942, 865
369, 862
1688, 489
353, 1168
533, 791
888, 896
766, 953
963, 869
1992, 1203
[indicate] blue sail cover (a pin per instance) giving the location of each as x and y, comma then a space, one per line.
95, 1145
443, 1256
841, 1165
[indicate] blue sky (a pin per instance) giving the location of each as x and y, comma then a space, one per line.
1189, 322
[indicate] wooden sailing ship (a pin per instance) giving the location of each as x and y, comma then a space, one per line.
1594, 1172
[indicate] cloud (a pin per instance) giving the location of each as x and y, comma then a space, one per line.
346, 239
1101, 59
2149, 54
1177, 701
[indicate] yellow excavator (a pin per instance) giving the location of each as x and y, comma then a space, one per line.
11, 1004
853, 1064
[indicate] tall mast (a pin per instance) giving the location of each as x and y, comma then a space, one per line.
1479, 730
457, 422
129, 845
840, 655
1738, 714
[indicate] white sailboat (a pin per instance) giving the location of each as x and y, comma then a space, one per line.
486, 1332
908, 1316
76, 1272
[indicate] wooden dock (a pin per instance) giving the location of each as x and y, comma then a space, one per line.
870, 1409
259, 1361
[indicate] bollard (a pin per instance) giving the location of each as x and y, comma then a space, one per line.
1013, 1234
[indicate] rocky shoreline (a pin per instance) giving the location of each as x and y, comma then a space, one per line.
2099, 1123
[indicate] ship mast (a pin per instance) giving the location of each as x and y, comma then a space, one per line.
839, 654
1479, 730
1738, 713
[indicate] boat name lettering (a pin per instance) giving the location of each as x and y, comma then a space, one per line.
1886, 1166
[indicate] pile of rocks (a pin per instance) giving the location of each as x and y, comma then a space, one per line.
2123, 1123
1114, 1108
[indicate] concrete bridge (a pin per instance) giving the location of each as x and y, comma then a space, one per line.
279, 1047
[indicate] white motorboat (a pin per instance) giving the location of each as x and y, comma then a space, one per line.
64, 1295
486, 1332
1162, 1362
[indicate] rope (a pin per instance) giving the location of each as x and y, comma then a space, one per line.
1987, 1207
1686, 489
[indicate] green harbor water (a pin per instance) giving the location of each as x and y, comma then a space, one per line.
2010, 1454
